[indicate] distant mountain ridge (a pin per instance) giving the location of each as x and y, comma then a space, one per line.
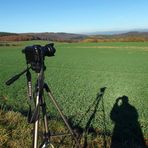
136, 33
71, 37
58, 36
7, 34
115, 32
133, 36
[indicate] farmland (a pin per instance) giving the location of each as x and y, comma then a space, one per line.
75, 75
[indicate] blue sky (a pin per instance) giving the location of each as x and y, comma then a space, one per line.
75, 16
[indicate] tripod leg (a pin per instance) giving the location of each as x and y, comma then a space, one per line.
61, 113
46, 135
36, 124
45, 120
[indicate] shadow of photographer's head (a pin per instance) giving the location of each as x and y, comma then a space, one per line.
122, 100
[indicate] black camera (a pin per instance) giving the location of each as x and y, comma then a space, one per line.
35, 55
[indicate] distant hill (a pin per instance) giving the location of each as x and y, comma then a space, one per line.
58, 36
7, 34
115, 32
123, 37
61, 37
134, 33
70, 37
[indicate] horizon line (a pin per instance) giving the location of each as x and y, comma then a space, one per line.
85, 32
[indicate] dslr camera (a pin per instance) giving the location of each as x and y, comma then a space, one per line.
35, 55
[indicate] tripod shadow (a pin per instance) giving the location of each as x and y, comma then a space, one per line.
89, 129
127, 132
93, 108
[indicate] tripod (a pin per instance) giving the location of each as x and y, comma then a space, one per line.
40, 104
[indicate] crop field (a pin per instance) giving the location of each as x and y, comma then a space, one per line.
76, 74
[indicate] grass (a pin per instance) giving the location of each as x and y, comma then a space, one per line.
75, 76
15, 133
13, 130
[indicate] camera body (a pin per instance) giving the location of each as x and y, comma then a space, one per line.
35, 55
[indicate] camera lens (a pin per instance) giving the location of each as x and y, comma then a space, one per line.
49, 50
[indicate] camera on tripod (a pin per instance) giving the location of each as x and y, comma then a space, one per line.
35, 55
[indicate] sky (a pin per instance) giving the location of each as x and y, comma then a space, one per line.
73, 16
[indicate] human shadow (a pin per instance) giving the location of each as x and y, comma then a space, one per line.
127, 132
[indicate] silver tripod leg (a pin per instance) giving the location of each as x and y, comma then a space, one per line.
61, 113
46, 134
36, 124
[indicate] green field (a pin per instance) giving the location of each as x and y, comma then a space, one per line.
75, 75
